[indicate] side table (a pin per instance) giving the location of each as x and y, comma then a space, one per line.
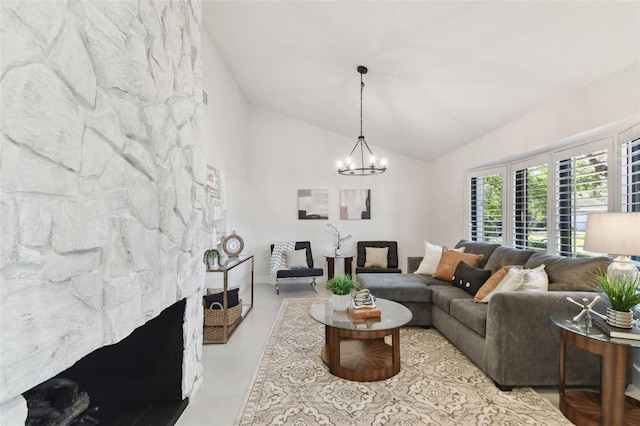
331, 264
222, 335
609, 407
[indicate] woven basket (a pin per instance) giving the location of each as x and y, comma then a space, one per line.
215, 317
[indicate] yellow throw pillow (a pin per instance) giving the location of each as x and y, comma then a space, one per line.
449, 261
491, 283
376, 257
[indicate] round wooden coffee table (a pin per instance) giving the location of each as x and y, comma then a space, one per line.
355, 349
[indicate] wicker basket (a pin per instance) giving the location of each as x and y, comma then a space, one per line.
215, 317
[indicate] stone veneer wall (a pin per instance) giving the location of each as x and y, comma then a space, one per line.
101, 182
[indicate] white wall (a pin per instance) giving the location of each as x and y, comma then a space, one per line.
608, 100
286, 155
268, 157
224, 133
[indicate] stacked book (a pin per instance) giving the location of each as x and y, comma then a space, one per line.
363, 305
616, 332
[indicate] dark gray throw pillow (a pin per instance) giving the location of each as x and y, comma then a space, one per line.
469, 278
232, 299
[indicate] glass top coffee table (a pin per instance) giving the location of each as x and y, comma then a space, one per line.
355, 349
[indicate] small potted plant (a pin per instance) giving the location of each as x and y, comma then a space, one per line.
211, 258
341, 286
622, 291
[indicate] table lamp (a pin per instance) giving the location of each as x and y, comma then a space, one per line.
615, 234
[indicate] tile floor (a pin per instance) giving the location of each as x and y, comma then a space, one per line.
228, 369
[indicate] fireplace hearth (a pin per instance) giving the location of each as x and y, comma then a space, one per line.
137, 381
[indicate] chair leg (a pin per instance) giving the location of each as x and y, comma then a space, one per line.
313, 285
277, 287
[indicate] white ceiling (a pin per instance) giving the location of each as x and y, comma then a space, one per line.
441, 73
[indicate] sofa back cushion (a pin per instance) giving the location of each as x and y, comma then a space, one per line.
468, 278
504, 256
478, 247
449, 261
569, 273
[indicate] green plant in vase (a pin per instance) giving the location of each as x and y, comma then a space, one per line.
341, 285
211, 258
622, 291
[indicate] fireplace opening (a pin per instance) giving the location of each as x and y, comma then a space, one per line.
137, 381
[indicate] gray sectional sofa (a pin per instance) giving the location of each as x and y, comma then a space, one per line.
511, 338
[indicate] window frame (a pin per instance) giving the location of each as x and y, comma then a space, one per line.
528, 163
476, 173
609, 140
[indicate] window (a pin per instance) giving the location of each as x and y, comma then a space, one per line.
581, 188
630, 170
486, 207
550, 195
530, 207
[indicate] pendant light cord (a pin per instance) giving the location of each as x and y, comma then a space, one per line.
361, 91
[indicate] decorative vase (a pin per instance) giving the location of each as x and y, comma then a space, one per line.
340, 302
337, 251
620, 319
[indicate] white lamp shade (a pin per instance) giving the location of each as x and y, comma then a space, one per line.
613, 233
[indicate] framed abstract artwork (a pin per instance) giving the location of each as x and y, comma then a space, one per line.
355, 204
214, 215
313, 204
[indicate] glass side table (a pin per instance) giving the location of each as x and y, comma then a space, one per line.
611, 406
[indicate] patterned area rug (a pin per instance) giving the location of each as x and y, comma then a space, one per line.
437, 385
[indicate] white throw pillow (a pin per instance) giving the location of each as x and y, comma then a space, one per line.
431, 258
296, 259
376, 257
521, 280
535, 279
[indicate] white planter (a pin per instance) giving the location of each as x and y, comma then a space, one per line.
341, 303
619, 318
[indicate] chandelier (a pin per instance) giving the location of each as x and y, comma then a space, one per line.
372, 167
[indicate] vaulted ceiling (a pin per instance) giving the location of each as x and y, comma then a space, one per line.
441, 73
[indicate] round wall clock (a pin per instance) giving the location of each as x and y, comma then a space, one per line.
233, 244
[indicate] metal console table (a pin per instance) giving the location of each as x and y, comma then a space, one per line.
227, 330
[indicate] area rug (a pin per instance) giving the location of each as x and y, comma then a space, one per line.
437, 384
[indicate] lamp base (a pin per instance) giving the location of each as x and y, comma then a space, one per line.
622, 265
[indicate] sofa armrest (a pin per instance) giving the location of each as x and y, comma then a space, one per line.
522, 346
412, 263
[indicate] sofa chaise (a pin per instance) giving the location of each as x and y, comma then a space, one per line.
510, 338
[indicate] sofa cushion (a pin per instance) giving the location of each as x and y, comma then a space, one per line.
468, 278
472, 315
518, 279
503, 256
397, 287
492, 283
478, 247
449, 261
442, 295
376, 257
569, 273
300, 273
363, 270
431, 258
296, 259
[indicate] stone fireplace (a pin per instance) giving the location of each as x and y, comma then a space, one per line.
101, 183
